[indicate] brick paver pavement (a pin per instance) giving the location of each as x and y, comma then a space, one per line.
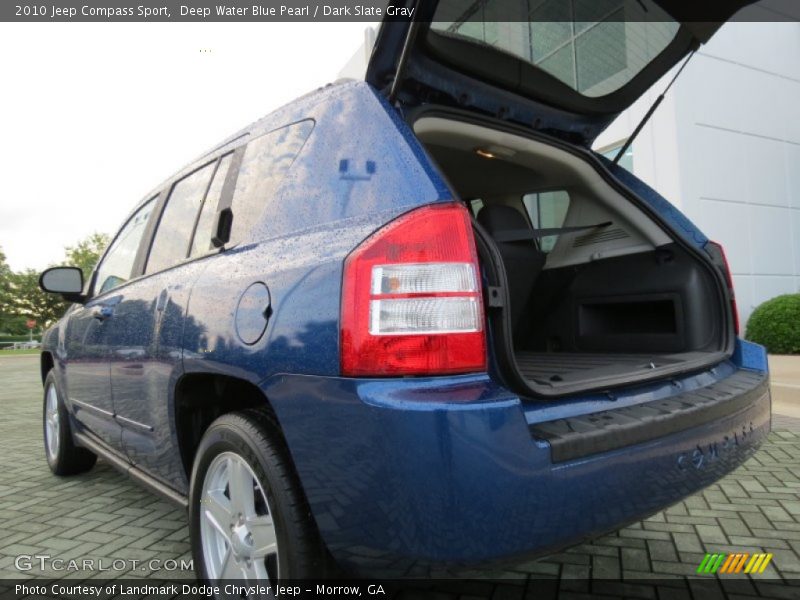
102, 514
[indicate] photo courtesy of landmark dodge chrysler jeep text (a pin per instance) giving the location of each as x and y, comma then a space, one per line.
415, 320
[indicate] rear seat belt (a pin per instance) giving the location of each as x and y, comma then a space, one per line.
522, 235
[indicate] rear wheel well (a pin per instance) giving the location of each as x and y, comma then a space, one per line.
45, 364
202, 398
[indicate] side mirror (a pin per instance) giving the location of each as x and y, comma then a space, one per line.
67, 281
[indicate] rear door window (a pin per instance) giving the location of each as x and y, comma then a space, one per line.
171, 243
117, 264
201, 242
547, 210
266, 161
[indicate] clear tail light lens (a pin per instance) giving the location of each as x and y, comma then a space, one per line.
409, 316
424, 278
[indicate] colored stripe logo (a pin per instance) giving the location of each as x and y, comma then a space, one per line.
742, 562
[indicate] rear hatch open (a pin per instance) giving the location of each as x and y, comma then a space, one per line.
629, 301
565, 67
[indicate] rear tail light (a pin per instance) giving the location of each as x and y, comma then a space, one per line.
717, 253
411, 298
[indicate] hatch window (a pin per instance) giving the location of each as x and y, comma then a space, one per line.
593, 47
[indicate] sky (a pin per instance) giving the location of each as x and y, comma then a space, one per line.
94, 115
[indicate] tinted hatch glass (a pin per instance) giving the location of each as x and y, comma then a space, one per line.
595, 47
568, 67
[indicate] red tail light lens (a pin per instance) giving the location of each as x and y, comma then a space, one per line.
411, 298
717, 253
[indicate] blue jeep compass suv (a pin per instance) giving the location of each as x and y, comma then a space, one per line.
415, 320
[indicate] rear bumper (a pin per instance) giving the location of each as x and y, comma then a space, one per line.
403, 473
577, 437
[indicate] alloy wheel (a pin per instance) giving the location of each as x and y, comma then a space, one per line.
52, 423
236, 524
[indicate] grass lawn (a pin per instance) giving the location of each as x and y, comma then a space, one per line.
18, 352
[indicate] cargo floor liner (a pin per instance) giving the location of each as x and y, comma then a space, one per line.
568, 369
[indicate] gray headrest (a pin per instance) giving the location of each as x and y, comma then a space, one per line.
498, 217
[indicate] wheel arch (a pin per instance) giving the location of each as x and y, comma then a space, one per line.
200, 398
46, 364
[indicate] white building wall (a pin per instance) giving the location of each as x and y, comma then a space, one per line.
356, 67
725, 148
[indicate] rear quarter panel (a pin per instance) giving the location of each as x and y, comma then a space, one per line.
360, 168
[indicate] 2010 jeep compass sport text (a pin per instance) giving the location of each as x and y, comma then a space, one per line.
415, 319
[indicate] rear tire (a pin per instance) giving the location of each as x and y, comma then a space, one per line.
63, 456
247, 512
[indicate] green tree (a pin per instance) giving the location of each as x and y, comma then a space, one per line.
30, 302
87, 252
9, 322
775, 324
5, 281
22, 299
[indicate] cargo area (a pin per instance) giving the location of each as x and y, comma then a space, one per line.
572, 367
587, 291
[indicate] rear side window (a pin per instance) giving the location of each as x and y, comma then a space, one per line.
265, 163
171, 243
547, 210
118, 262
625, 161
201, 243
